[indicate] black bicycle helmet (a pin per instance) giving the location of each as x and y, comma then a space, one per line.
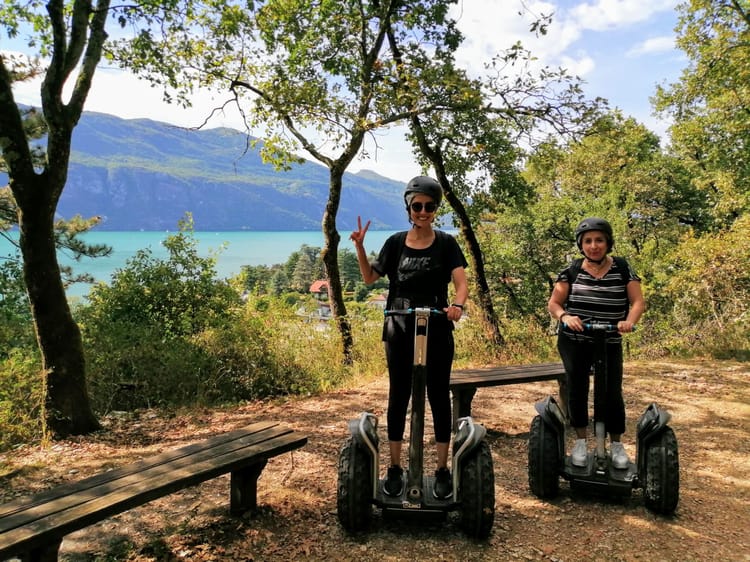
595, 223
425, 185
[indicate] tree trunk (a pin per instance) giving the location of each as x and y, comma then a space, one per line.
68, 409
331, 262
434, 155
484, 296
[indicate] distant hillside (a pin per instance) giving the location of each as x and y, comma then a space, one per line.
145, 175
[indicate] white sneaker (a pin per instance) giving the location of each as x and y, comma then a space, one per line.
579, 453
619, 457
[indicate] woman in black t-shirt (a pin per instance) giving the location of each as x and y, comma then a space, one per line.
419, 264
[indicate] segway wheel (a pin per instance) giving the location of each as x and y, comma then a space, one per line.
354, 493
544, 459
662, 487
478, 493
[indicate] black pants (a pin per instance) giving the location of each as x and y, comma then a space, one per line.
399, 351
578, 357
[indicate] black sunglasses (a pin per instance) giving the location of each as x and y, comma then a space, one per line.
429, 207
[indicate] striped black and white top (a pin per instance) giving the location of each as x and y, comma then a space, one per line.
604, 299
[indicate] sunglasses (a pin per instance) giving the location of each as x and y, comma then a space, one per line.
429, 207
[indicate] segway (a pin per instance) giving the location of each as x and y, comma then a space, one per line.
656, 469
359, 485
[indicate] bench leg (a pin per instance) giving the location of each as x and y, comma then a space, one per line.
244, 488
462, 404
46, 553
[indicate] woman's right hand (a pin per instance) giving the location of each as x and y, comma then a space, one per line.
358, 236
573, 322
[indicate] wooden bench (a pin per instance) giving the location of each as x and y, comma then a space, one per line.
464, 383
33, 528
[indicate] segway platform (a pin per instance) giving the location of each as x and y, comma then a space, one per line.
600, 477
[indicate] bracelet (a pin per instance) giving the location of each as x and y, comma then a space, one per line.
559, 318
458, 305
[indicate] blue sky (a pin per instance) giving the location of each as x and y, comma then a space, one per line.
621, 48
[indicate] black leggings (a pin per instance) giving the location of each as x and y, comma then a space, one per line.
399, 351
578, 357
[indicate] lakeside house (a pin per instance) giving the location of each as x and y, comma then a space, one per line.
320, 290
378, 301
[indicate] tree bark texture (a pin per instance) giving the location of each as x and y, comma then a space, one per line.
68, 410
77, 42
331, 262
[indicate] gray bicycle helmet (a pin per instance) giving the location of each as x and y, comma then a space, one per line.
425, 185
595, 223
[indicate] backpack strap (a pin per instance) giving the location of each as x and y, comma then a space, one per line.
622, 265
573, 270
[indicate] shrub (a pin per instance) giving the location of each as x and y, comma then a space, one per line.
139, 332
21, 399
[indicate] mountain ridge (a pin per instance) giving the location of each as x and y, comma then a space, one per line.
141, 174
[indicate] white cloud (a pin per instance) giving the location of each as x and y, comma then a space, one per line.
489, 31
602, 15
580, 65
654, 45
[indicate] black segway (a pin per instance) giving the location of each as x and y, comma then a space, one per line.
656, 469
359, 486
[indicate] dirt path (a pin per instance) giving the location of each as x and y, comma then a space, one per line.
710, 403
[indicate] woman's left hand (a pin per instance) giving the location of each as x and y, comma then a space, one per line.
624, 326
453, 313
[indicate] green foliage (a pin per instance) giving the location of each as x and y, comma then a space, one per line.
524, 343
16, 328
710, 104
703, 295
21, 398
177, 296
137, 331
21, 383
166, 332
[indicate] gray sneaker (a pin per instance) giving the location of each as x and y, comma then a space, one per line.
579, 454
618, 455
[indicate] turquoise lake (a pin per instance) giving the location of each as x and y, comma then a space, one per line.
235, 250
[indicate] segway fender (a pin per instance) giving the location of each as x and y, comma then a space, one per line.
653, 420
469, 436
551, 414
364, 431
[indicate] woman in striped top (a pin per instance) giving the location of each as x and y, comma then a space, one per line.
604, 289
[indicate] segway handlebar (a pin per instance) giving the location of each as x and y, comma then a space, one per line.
599, 326
410, 311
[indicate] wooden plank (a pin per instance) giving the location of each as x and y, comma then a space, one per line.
160, 484
464, 383
163, 464
161, 458
513, 374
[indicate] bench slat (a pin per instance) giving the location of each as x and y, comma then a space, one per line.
133, 468
155, 483
85, 492
496, 376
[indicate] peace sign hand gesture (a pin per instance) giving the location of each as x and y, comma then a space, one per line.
358, 236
